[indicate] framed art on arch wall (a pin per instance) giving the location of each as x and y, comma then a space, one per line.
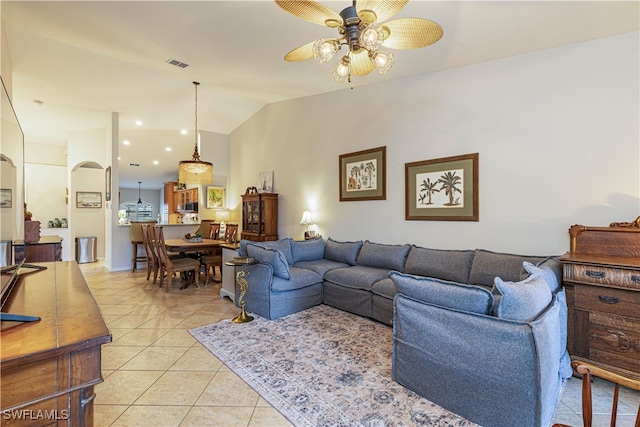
444, 189
363, 175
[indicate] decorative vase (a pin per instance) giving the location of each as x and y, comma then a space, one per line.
50, 224
64, 223
57, 223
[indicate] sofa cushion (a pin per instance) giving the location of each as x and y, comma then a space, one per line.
544, 272
346, 252
391, 257
273, 257
283, 245
443, 293
299, 278
448, 265
307, 250
356, 277
320, 266
385, 288
487, 265
522, 300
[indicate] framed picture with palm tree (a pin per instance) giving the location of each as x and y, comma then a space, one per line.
363, 175
443, 189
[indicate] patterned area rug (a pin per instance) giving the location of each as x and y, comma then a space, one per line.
322, 367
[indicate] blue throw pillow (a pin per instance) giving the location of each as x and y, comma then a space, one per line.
474, 299
307, 250
273, 257
522, 300
545, 273
283, 245
391, 257
345, 252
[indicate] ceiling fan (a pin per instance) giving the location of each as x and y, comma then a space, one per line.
363, 28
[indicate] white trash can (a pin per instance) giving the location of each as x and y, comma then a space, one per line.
86, 249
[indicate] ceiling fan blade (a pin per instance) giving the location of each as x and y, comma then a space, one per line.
300, 53
311, 11
382, 9
411, 33
361, 65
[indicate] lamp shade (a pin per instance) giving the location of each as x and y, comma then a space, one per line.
306, 218
195, 172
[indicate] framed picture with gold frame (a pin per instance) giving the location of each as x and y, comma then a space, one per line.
216, 198
444, 189
363, 175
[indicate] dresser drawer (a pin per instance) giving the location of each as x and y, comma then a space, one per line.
602, 275
607, 300
614, 340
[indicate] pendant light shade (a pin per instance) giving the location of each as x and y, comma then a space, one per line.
139, 198
195, 171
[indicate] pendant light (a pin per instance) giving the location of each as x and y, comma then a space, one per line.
195, 171
139, 198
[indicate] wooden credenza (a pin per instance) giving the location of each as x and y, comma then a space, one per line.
602, 279
49, 368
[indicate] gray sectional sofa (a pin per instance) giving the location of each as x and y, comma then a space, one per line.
480, 333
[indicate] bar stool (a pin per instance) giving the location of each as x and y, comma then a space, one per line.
135, 235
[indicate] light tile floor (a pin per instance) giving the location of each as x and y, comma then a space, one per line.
156, 374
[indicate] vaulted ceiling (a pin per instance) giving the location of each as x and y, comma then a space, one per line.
75, 62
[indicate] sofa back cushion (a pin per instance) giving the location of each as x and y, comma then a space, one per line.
273, 257
487, 265
346, 252
391, 257
283, 245
458, 296
307, 250
448, 265
522, 300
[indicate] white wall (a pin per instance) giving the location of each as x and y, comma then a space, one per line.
557, 132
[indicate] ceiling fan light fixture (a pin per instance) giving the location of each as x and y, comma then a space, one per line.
382, 61
325, 49
195, 171
342, 71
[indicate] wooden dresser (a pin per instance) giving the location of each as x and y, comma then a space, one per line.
602, 279
49, 368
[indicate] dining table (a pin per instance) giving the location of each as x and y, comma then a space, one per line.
192, 247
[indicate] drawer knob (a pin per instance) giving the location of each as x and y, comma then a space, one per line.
607, 299
596, 274
635, 279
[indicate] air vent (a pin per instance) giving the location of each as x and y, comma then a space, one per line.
177, 63
134, 165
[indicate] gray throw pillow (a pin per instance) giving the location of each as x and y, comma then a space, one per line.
522, 300
453, 295
345, 252
273, 257
391, 257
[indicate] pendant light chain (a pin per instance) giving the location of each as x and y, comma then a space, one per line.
196, 155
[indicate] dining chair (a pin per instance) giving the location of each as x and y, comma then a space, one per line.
135, 235
204, 227
171, 266
214, 258
153, 263
588, 371
231, 233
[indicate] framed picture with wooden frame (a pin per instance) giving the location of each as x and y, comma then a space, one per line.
363, 175
443, 189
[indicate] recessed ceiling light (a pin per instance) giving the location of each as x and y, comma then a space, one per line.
126, 142
183, 131
118, 157
138, 122
155, 162
167, 149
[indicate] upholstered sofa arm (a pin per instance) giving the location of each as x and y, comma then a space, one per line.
493, 371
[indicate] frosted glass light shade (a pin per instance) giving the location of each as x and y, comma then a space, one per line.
342, 71
382, 61
324, 49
